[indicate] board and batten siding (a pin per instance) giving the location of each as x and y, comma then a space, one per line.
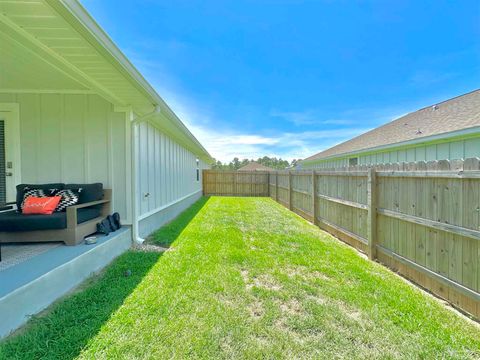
166, 178
448, 150
73, 138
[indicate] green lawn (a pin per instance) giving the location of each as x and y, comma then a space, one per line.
246, 278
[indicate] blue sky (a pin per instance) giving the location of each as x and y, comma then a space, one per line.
290, 78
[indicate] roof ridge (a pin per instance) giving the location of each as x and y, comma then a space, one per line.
443, 101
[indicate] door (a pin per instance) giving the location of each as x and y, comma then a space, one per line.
9, 152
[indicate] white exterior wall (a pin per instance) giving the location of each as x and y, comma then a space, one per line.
449, 150
73, 138
166, 178
460, 149
79, 138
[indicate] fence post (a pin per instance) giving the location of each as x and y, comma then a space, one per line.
234, 190
276, 186
268, 184
314, 197
372, 214
290, 190
204, 171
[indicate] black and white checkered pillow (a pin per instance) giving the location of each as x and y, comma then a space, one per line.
32, 192
69, 198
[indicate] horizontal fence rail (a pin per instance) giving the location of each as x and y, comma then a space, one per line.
235, 183
421, 219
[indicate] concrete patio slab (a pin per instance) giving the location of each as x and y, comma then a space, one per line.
31, 285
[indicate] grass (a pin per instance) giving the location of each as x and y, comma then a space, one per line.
166, 235
246, 278
67, 326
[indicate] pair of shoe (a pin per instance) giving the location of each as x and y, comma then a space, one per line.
110, 224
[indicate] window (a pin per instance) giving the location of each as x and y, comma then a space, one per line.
198, 170
352, 161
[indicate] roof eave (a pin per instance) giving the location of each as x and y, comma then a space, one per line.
426, 139
83, 22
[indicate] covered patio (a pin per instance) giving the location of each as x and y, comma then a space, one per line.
65, 105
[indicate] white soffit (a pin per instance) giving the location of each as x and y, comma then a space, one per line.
56, 45
35, 25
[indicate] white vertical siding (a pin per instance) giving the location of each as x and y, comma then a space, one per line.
458, 149
167, 171
73, 134
78, 138
154, 219
73, 138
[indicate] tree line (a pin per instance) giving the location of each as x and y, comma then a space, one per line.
274, 163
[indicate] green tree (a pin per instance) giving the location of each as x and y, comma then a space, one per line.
274, 163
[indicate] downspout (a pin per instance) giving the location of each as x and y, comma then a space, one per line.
134, 134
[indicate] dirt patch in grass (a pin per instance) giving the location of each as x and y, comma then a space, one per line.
256, 309
245, 276
305, 273
150, 248
299, 337
228, 301
351, 313
319, 300
291, 307
264, 282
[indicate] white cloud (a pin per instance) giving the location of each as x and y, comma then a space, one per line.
225, 143
251, 140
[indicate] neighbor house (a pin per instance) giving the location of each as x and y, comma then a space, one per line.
255, 166
444, 131
73, 109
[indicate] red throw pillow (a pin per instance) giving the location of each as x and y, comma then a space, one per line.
40, 205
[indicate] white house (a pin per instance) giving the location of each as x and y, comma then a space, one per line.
76, 110
448, 130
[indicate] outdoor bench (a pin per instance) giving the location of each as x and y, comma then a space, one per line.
70, 226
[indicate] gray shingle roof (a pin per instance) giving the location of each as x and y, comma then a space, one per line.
255, 166
459, 113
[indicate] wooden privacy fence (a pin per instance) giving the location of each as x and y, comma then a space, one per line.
235, 183
420, 219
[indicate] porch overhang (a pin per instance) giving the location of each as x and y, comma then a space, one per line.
55, 46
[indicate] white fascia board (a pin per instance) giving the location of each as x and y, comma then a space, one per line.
160, 121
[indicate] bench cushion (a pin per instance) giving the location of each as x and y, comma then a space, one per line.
22, 187
89, 192
15, 221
